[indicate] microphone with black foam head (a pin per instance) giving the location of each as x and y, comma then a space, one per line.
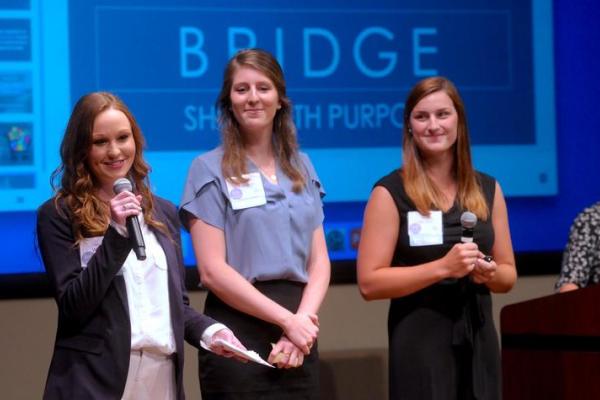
468, 220
132, 222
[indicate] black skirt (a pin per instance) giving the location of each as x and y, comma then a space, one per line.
225, 378
443, 345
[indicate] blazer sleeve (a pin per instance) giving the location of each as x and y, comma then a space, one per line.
78, 291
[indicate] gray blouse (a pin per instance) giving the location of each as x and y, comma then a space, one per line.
266, 242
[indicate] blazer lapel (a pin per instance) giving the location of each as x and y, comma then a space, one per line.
170, 250
121, 290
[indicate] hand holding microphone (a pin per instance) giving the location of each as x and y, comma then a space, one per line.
484, 267
462, 256
126, 206
460, 261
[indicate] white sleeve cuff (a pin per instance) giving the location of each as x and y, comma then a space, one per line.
121, 229
210, 331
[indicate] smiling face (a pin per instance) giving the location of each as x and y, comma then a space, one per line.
254, 101
112, 151
434, 124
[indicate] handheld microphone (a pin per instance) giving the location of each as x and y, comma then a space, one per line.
132, 222
468, 220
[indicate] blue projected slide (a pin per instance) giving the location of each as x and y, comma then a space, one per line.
347, 80
348, 67
34, 98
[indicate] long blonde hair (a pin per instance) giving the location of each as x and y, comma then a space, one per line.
77, 182
419, 187
284, 142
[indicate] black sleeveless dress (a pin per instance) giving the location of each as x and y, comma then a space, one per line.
442, 340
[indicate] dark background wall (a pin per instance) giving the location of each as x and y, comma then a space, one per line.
577, 63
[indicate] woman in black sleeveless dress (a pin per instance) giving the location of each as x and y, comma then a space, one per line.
442, 340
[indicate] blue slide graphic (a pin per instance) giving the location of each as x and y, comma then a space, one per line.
347, 80
348, 66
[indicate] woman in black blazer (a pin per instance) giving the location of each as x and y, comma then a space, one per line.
121, 321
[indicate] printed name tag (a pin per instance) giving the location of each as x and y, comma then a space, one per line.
425, 230
250, 194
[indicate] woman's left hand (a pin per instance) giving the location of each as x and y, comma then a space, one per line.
484, 271
286, 354
227, 336
302, 329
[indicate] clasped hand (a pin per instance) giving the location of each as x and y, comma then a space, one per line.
302, 330
286, 354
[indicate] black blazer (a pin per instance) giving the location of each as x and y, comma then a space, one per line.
93, 339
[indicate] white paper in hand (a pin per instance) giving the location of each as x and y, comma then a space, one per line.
245, 354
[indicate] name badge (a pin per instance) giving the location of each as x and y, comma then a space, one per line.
425, 230
246, 195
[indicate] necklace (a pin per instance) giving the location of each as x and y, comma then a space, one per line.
271, 177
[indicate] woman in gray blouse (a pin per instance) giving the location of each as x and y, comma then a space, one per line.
253, 208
